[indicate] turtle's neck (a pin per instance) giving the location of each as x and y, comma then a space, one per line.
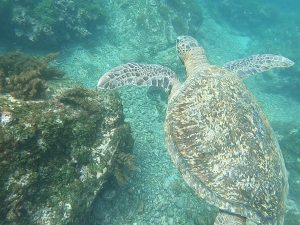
175, 88
195, 61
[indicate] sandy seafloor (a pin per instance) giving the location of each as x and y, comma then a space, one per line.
155, 193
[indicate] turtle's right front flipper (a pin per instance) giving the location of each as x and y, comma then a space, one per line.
257, 64
139, 75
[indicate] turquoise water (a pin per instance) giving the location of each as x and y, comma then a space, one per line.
145, 31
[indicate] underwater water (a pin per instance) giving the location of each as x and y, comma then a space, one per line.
93, 37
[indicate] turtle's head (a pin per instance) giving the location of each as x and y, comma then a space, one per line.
184, 44
191, 54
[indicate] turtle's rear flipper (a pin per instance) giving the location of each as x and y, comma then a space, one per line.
257, 64
224, 218
139, 75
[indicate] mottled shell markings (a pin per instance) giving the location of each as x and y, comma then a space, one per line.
216, 133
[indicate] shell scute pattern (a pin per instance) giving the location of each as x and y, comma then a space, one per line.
225, 148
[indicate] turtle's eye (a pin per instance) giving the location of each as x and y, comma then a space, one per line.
193, 44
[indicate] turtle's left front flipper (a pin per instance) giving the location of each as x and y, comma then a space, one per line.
139, 75
257, 64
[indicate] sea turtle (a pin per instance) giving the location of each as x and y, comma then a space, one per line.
216, 133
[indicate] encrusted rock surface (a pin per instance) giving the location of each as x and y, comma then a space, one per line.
56, 155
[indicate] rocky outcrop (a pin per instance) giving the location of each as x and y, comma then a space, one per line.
55, 155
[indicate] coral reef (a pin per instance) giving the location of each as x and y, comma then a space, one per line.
51, 21
55, 155
24, 76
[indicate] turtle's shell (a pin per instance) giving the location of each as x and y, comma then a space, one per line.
223, 145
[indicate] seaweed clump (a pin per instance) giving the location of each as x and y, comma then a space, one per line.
25, 77
124, 161
56, 154
76, 98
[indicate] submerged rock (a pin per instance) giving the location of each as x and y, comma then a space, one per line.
55, 155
